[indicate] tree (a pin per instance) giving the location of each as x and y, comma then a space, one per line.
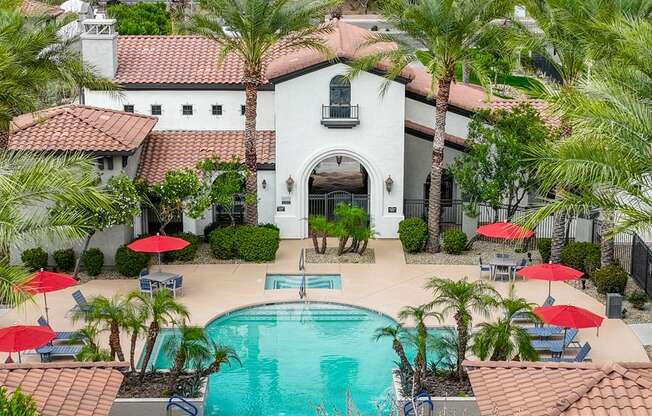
419, 315
174, 195
141, 18
135, 317
17, 404
447, 33
162, 309
494, 168
108, 314
462, 298
320, 227
186, 347
395, 333
90, 351
253, 30
220, 355
351, 223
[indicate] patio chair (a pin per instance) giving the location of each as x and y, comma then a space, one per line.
47, 352
176, 284
60, 335
544, 331
144, 272
485, 268
523, 318
146, 286
422, 399
82, 304
521, 265
555, 346
579, 357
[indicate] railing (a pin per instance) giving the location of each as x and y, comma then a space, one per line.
223, 215
302, 268
451, 213
339, 112
178, 402
325, 204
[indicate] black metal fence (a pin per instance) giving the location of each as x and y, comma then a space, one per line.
325, 204
451, 212
230, 215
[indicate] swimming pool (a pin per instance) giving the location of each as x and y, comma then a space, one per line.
296, 357
293, 281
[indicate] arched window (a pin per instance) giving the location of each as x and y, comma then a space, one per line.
340, 97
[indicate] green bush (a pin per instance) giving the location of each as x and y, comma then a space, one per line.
454, 241
222, 242
129, 263
610, 279
543, 245
92, 260
413, 233
141, 19
638, 299
34, 259
575, 254
64, 259
256, 244
272, 227
209, 229
186, 254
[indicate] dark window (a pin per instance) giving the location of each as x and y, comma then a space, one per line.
109, 162
125, 161
156, 110
129, 108
446, 188
243, 108
340, 97
100, 163
216, 110
186, 110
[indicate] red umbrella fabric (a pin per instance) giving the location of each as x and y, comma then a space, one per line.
551, 272
568, 316
504, 230
158, 244
45, 282
17, 338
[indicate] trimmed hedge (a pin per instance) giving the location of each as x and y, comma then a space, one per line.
222, 242
256, 243
575, 255
454, 241
185, 254
543, 245
129, 263
64, 259
271, 227
413, 233
610, 279
209, 229
92, 260
34, 259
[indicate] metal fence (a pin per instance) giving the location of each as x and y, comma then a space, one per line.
230, 215
325, 204
452, 212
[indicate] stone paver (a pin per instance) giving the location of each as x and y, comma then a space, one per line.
643, 332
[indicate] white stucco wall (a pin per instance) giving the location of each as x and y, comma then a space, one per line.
267, 196
171, 117
301, 142
424, 114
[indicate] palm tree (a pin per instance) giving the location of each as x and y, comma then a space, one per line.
187, 346
448, 33
462, 298
108, 314
91, 351
162, 309
319, 226
220, 355
419, 314
395, 332
134, 320
253, 30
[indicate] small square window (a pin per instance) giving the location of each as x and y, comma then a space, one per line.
156, 110
186, 110
216, 110
128, 108
242, 110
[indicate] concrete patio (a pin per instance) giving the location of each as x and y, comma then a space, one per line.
386, 286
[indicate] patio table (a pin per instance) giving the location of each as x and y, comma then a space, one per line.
161, 278
507, 262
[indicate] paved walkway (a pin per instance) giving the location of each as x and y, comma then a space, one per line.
643, 332
386, 286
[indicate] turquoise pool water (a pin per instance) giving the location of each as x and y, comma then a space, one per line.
293, 281
296, 357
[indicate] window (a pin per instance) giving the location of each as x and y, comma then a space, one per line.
243, 108
186, 110
125, 161
156, 109
340, 97
446, 191
216, 109
100, 163
128, 108
109, 162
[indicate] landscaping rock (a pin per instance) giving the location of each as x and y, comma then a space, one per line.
486, 249
331, 256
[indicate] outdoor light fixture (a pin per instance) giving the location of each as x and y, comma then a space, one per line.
389, 182
264, 184
290, 183
338, 159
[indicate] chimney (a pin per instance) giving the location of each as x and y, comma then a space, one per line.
99, 45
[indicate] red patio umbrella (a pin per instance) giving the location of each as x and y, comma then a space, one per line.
44, 282
550, 272
568, 316
17, 338
158, 244
504, 230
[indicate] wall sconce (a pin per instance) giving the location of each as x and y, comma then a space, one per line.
389, 182
290, 184
338, 159
264, 184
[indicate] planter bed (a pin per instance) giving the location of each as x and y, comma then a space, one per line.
331, 256
486, 249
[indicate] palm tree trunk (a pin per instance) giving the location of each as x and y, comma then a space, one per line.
315, 243
434, 198
152, 334
251, 82
462, 341
606, 243
75, 272
132, 350
364, 247
558, 236
400, 351
114, 342
466, 74
323, 242
179, 361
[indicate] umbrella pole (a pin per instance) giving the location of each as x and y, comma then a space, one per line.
549, 287
19, 360
160, 268
47, 315
563, 344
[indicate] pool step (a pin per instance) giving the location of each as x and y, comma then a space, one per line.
293, 314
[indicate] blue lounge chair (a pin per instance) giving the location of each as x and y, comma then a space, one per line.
556, 346
523, 318
49, 351
544, 331
422, 399
60, 335
82, 304
581, 356
175, 285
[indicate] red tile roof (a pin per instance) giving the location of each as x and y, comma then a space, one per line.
81, 128
33, 8
554, 389
431, 132
169, 150
66, 388
540, 105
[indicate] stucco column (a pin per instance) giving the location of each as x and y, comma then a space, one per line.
469, 224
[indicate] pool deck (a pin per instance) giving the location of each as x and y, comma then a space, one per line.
386, 286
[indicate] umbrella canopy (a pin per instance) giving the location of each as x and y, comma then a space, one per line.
504, 230
568, 316
550, 272
18, 338
158, 244
45, 282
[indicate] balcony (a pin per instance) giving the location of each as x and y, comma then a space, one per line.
339, 116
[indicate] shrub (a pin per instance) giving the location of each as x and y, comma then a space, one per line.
141, 19
222, 242
34, 259
256, 244
638, 299
271, 227
610, 279
65, 259
209, 229
413, 233
186, 254
92, 261
543, 245
454, 241
17, 403
574, 254
129, 263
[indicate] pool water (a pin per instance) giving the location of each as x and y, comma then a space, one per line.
296, 357
293, 281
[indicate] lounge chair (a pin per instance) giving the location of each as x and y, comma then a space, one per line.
60, 335
144, 272
422, 399
485, 268
579, 357
82, 304
175, 285
544, 331
524, 318
556, 346
49, 351
146, 286
520, 266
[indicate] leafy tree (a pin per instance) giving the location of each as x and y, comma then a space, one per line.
141, 18
447, 33
419, 314
254, 30
494, 168
17, 403
174, 195
110, 315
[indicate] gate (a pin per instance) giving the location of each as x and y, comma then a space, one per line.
325, 204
